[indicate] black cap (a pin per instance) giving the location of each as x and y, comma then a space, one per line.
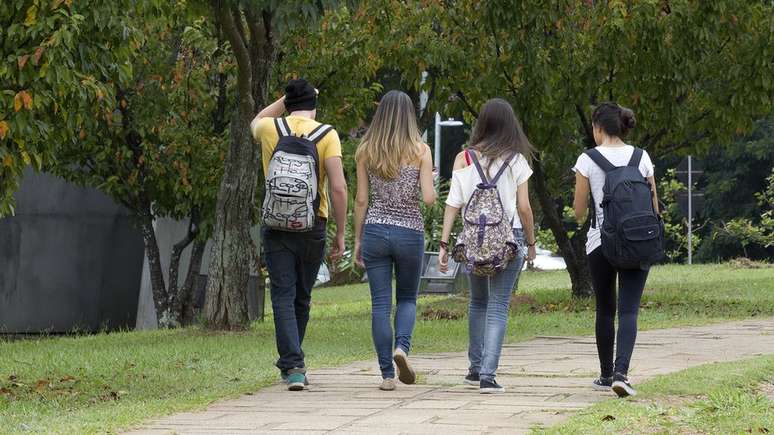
300, 95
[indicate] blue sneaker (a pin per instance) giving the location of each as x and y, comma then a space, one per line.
284, 376
296, 381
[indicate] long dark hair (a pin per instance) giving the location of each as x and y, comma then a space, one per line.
498, 132
613, 119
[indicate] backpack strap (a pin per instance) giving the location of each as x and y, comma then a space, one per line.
481, 173
600, 160
636, 157
504, 166
283, 129
318, 133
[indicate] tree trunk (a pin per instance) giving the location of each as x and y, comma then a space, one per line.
165, 315
573, 249
186, 294
225, 303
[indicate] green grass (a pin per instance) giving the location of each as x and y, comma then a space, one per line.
106, 382
724, 398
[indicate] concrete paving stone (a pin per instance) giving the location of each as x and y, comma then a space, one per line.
402, 415
474, 417
418, 428
346, 412
321, 423
434, 404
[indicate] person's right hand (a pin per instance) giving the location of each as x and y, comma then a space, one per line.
443, 260
358, 255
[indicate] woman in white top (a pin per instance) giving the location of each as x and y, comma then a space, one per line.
497, 136
611, 123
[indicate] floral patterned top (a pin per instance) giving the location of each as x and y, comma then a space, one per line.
395, 202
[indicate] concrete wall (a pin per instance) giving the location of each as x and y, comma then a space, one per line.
69, 259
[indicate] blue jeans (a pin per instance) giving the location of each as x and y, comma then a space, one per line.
293, 260
490, 298
383, 247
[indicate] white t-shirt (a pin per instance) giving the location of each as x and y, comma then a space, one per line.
465, 180
618, 156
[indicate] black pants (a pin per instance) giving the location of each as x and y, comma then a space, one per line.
293, 260
630, 283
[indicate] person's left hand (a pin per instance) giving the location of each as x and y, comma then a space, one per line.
531, 253
337, 250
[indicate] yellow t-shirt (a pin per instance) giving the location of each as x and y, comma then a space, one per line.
265, 132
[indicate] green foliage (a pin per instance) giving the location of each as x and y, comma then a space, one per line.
675, 225
61, 61
162, 144
745, 231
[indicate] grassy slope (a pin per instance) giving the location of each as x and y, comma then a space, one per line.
121, 379
714, 398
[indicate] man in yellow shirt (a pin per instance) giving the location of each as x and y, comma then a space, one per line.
294, 258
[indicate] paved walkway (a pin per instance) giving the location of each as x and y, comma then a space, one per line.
546, 379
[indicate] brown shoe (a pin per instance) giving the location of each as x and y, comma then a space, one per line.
406, 374
388, 384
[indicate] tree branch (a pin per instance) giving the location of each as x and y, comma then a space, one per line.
465, 102
239, 47
587, 128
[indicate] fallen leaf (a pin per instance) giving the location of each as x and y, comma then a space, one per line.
763, 430
608, 418
41, 385
5, 391
67, 378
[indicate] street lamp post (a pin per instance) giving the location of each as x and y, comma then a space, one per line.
438, 125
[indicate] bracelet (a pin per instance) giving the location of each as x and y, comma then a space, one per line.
532, 244
444, 245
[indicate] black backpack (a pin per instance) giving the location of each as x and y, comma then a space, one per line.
632, 232
292, 178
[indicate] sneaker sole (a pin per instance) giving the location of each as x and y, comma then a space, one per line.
623, 390
491, 390
471, 383
297, 386
600, 387
405, 372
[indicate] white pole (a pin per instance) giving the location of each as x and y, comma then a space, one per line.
690, 212
437, 154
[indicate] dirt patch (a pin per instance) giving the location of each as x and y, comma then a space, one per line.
767, 389
746, 263
433, 313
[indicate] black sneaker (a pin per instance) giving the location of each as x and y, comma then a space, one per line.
472, 379
622, 387
490, 387
602, 384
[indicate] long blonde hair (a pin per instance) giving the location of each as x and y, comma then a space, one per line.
393, 137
